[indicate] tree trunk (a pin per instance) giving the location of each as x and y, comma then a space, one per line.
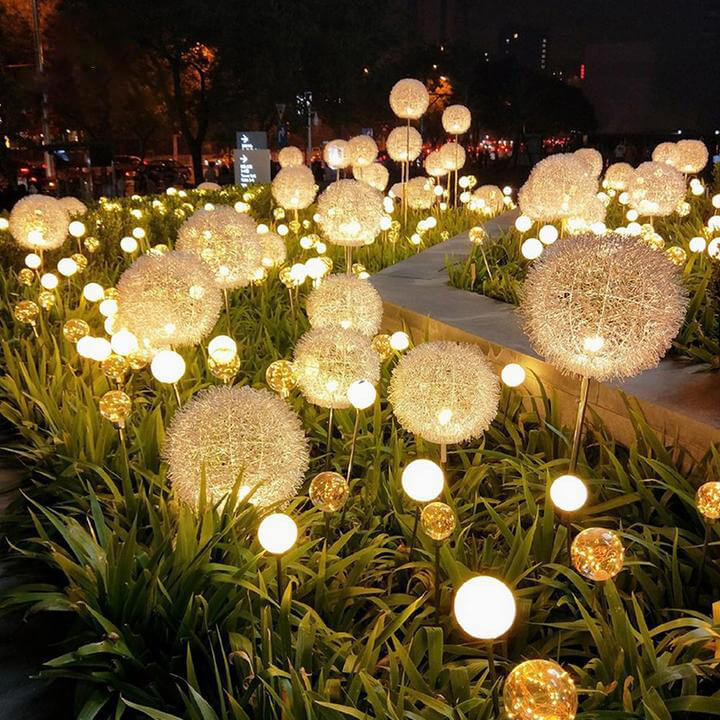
196, 154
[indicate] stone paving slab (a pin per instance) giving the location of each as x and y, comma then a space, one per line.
681, 402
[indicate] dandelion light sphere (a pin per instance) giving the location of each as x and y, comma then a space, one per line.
375, 175
540, 690
438, 521
168, 299
456, 119
39, 222
597, 554
363, 150
350, 213
690, 156
291, 157
434, 165
329, 491
487, 199
664, 153
336, 154
568, 493
345, 301
422, 480
277, 533
409, 99
404, 144
708, 500
274, 252
226, 241
420, 195
294, 187
328, 360
656, 189
603, 307
618, 176
592, 159
72, 205
452, 155
236, 432
484, 607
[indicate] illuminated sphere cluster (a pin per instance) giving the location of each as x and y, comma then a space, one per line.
420, 195
452, 155
294, 187
445, 392
691, 156
375, 175
559, 187
345, 301
227, 241
336, 154
597, 554
435, 165
168, 299
274, 251
488, 199
363, 150
236, 432
328, 360
409, 99
656, 189
618, 176
592, 159
291, 157
403, 143
664, 153
456, 119
72, 205
207, 185
39, 222
540, 690
350, 213
602, 306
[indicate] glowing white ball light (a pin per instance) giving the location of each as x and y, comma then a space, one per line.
513, 375
484, 607
277, 533
422, 480
167, 366
568, 493
361, 394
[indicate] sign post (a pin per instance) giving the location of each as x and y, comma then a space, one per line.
252, 167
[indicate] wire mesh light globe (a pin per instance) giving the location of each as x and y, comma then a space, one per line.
618, 176
336, 154
363, 150
597, 554
603, 307
228, 433
277, 533
445, 392
375, 175
690, 156
39, 222
329, 491
294, 187
434, 164
72, 205
350, 213
409, 99
559, 187
656, 189
422, 480
487, 199
568, 493
664, 153
291, 156
227, 241
420, 195
438, 521
592, 159
403, 143
456, 119
539, 690
274, 251
115, 406
452, 155
169, 299
207, 185
345, 301
708, 500
484, 607
328, 360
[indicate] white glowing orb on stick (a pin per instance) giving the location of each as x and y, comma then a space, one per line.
422, 480
409, 99
230, 433
656, 189
363, 150
336, 154
39, 222
294, 187
484, 607
347, 302
291, 157
456, 119
350, 213
403, 143
277, 533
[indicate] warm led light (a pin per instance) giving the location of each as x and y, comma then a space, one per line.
93, 292
84, 346
4, 223
262, 228
697, 244
222, 349
108, 307
128, 244
484, 607
523, 223
548, 234
138, 233
33, 261
76, 229
531, 249
716, 201
277, 533
624, 198
507, 190
568, 493
101, 349
399, 341
167, 366
49, 281
282, 230
631, 215
315, 268
422, 480
593, 344
361, 394
513, 375
124, 342
67, 267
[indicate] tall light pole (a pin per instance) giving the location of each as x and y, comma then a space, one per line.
40, 64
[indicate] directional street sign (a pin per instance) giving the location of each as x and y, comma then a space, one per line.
252, 167
251, 140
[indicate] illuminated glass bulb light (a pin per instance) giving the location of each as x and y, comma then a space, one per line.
697, 244
597, 554
329, 491
277, 533
708, 500
67, 267
115, 406
108, 307
49, 281
484, 607
531, 249
76, 229
128, 244
539, 690
548, 234
167, 366
422, 480
124, 343
361, 394
713, 248
281, 377
523, 223
33, 261
568, 493
93, 292
438, 521
513, 375
399, 341
74, 329
222, 349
